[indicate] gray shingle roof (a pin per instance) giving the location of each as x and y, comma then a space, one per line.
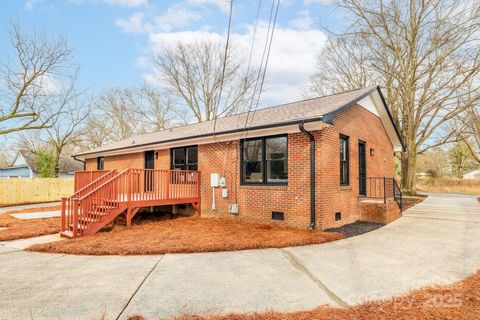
66, 165
295, 111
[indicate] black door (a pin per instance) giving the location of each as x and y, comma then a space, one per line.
149, 174
362, 169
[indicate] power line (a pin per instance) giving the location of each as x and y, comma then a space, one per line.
265, 57
223, 67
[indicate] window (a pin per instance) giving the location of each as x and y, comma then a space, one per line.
264, 161
344, 161
100, 163
185, 158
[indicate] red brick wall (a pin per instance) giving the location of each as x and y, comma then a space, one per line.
131, 160
256, 203
358, 124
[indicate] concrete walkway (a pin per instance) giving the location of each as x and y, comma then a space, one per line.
435, 242
28, 206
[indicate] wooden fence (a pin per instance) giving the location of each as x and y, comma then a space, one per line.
26, 190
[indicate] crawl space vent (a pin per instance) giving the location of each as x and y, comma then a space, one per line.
338, 216
277, 215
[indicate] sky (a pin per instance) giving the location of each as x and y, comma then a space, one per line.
114, 40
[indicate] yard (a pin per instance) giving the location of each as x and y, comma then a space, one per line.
19, 229
446, 184
186, 235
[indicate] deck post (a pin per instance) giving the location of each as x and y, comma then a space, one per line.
129, 217
64, 202
199, 204
167, 184
75, 217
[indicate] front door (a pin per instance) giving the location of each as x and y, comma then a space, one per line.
149, 174
362, 169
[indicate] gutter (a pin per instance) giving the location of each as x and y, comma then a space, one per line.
83, 161
267, 126
312, 175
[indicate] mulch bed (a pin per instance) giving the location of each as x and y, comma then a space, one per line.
186, 235
20, 229
356, 228
461, 300
409, 201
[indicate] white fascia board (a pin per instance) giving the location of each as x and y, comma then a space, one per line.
382, 112
310, 126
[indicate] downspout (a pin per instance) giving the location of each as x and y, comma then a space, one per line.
312, 175
84, 162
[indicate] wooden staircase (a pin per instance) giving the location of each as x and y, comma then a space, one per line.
98, 203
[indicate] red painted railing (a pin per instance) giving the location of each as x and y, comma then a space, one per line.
130, 188
67, 203
84, 178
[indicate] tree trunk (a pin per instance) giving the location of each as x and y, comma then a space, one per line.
409, 164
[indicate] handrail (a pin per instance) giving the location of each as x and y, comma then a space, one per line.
93, 182
127, 189
105, 183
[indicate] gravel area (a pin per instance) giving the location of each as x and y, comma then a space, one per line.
356, 228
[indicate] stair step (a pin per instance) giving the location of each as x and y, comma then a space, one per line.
67, 233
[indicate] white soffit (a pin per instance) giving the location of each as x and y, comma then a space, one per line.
368, 104
374, 104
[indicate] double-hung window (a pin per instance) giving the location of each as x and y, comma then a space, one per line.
344, 161
264, 161
185, 158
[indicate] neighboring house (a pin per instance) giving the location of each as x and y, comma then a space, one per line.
23, 166
475, 174
316, 163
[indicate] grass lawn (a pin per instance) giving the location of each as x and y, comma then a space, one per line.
19, 229
186, 235
461, 300
447, 184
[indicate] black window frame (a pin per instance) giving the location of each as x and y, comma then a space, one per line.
347, 160
264, 181
186, 165
100, 163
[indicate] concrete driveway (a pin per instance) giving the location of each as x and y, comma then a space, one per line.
435, 242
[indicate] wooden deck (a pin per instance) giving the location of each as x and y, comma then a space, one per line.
99, 201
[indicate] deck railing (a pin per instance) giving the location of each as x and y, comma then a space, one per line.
383, 188
67, 203
84, 178
130, 188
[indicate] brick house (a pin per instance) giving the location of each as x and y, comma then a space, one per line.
316, 163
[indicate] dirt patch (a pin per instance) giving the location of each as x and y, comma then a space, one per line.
356, 228
186, 235
460, 300
20, 229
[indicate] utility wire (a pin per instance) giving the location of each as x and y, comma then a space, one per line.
223, 67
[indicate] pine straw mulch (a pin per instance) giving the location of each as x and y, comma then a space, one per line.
20, 229
460, 300
186, 235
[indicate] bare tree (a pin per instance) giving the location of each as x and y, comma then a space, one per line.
468, 123
65, 132
195, 73
157, 108
27, 83
424, 53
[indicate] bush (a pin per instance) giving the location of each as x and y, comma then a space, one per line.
45, 163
